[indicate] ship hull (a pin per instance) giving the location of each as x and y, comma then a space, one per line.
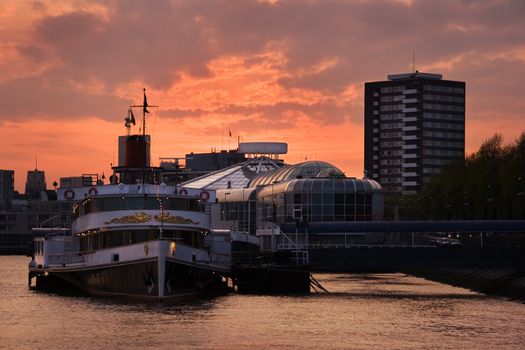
137, 280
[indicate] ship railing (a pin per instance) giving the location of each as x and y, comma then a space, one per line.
285, 246
174, 239
220, 259
66, 258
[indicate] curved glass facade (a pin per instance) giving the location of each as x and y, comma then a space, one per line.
238, 207
320, 200
314, 191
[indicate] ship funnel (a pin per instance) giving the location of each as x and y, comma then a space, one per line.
137, 151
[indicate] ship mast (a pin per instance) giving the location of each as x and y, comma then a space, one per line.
144, 107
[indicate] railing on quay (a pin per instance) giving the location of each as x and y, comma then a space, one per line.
344, 246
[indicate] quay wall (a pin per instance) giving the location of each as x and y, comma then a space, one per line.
494, 271
392, 259
500, 282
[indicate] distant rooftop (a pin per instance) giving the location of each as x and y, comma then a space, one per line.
416, 74
267, 148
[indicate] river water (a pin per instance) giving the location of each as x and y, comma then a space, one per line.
372, 311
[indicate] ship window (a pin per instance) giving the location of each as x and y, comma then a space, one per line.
88, 206
134, 203
97, 205
140, 236
110, 204
196, 205
153, 234
178, 204
116, 239
152, 203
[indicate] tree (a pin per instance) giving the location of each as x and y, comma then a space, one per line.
489, 184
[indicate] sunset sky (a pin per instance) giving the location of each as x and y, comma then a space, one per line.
289, 71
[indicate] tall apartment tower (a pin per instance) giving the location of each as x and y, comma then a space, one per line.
414, 126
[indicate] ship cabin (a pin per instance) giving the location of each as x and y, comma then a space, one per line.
125, 220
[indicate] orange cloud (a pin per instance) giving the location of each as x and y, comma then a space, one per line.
278, 70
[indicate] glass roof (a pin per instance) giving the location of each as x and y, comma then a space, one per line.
236, 176
303, 170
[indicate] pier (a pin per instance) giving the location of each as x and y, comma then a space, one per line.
485, 255
411, 244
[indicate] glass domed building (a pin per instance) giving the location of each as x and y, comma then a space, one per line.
263, 196
312, 192
316, 192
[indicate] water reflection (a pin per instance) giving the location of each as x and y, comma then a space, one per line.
360, 312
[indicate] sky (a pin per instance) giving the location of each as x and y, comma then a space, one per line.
290, 71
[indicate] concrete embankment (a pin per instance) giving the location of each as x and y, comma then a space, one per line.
501, 282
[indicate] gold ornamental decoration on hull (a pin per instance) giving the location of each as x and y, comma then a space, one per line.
167, 218
142, 217
137, 218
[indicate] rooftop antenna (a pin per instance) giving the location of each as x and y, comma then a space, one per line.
36, 161
414, 61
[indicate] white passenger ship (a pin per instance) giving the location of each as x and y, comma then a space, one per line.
133, 237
